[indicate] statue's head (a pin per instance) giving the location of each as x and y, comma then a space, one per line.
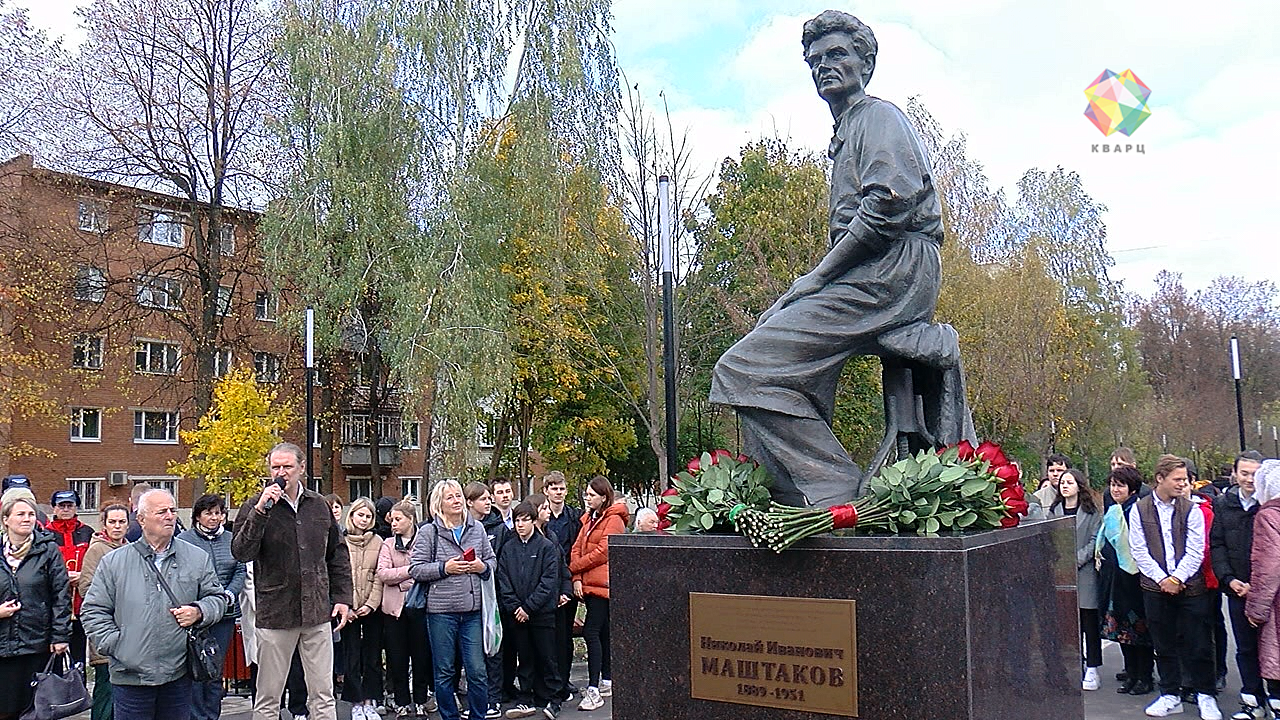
841, 53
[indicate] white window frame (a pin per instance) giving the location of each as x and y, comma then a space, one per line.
87, 352
159, 482
227, 240
89, 490
222, 300
266, 306
159, 291
90, 284
222, 359
412, 485
411, 433
163, 227
78, 425
359, 483
153, 349
91, 215
266, 367
172, 422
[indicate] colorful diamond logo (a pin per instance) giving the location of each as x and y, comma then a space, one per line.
1117, 103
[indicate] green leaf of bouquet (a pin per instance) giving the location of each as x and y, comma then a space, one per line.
966, 519
673, 500
953, 473
911, 467
716, 495
907, 517
708, 520
891, 475
704, 461
973, 486
932, 525
947, 517
697, 504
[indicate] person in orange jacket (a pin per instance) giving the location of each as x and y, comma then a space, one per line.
589, 564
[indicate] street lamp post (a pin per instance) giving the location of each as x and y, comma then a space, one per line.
1235, 374
310, 373
666, 252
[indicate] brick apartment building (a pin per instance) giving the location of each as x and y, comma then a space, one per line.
96, 347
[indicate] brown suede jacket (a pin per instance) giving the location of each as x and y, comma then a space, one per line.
301, 565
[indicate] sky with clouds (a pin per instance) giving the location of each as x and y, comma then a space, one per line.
1010, 75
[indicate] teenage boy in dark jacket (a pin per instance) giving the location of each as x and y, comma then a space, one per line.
528, 592
1230, 543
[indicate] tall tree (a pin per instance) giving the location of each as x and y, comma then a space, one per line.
174, 96
27, 58
409, 303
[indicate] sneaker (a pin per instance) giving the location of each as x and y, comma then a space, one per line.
520, 711
606, 688
1274, 704
1208, 707
403, 712
551, 710
1249, 709
429, 706
1091, 681
1164, 706
591, 699
493, 713
380, 710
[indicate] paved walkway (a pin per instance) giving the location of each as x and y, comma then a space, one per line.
1104, 704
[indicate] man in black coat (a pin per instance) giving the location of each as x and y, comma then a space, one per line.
1230, 544
562, 528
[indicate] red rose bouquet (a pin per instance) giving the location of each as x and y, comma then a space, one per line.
708, 492
958, 488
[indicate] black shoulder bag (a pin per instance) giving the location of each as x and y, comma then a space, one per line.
202, 650
58, 694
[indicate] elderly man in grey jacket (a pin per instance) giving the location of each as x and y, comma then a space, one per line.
130, 620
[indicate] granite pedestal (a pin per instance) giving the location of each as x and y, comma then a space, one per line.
980, 625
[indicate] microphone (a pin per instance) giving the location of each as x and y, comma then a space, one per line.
272, 503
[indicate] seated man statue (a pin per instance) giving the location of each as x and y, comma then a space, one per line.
874, 293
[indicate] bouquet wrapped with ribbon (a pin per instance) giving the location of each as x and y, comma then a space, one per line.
957, 488
710, 490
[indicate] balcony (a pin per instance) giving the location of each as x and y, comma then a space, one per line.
353, 439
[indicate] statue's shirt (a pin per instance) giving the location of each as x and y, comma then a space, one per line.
882, 197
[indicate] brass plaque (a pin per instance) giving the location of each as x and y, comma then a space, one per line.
792, 653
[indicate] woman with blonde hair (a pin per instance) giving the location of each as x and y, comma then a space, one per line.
452, 555
362, 637
35, 602
406, 628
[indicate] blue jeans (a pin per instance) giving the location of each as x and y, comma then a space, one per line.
450, 633
206, 697
171, 701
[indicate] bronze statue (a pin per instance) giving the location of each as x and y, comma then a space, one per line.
874, 293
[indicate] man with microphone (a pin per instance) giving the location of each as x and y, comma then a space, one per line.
302, 581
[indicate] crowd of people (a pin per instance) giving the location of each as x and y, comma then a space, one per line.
1154, 562
457, 606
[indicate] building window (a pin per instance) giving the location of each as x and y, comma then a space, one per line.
410, 437
223, 302
161, 227
267, 367
159, 482
155, 426
86, 424
412, 486
93, 216
227, 240
354, 430
156, 357
86, 352
88, 490
91, 284
158, 291
265, 307
360, 487
221, 362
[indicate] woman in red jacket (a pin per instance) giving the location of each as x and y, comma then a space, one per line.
589, 564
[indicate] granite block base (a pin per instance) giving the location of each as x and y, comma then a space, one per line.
975, 626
